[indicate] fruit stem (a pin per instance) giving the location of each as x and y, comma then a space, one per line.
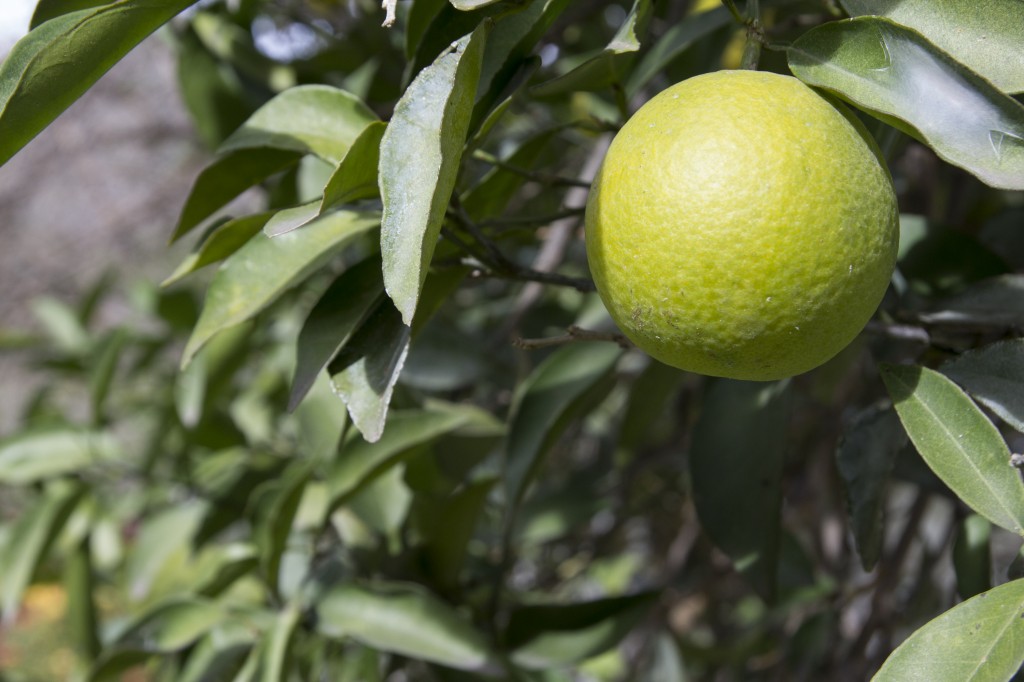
755, 36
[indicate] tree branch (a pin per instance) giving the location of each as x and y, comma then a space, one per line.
572, 335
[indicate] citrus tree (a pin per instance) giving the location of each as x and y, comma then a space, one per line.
385, 428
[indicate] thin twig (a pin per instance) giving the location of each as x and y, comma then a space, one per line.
532, 220
580, 284
573, 334
536, 176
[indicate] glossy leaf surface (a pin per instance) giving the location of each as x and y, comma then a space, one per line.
958, 442
895, 74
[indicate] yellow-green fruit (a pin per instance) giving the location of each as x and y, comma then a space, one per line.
742, 226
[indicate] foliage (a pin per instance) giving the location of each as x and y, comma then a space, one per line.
357, 472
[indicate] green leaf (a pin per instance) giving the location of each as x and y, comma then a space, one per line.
983, 35
104, 367
469, 5
673, 44
608, 67
220, 243
361, 461
309, 119
172, 625
277, 650
356, 176
30, 457
451, 529
972, 556
893, 73
114, 662
62, 325
365, 371
161, 535
232, 562
491, 195
59, 60
225, 179
218, 655
211, 90
995, 302
420, 155
994, 375
865, 458
958, 442
51, 9
736, 462
544, 637
980, 640
342, 308
265, 268
31, 537
276, 517
545, 404
288, 219
404, 619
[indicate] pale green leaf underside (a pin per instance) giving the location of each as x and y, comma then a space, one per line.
894, 73
420, 154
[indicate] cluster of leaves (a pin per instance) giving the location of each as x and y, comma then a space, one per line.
356, 472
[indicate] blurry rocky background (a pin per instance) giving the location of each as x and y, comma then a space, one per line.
98, 190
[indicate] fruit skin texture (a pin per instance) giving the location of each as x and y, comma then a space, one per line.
742, 226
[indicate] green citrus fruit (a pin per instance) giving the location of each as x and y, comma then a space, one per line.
742, 226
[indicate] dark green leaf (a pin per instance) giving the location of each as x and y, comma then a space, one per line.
361, 461
972, 556
342, 308
407, 620
51, 9
220, 243
225, 179
218, 656
980, 640
983, 35
995, 302
31, 537
115, 662
366, 369
895, 74
276, 518
958, 442
546, 402
29, 457
212, 91
451, 530
265, 268
610, 66
543, 637
54, 64
356, 176
865, 458
736, 461
419, 161
103, 369
994, 375
80, 587
309, 119
491, 195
